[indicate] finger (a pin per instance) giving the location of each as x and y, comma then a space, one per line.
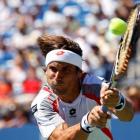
115, 90
111, 93
101, 124
104, 87
98, 113
108, 116
109, 105
109, 102
105, 91
111, 96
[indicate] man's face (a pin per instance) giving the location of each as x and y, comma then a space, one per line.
62, 77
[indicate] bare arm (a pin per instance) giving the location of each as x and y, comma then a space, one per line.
96, 117
126, 114
110, 98
63, 132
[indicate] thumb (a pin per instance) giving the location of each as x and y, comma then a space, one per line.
104, 87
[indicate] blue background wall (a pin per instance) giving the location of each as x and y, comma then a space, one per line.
126, 130
121, 131
27, 132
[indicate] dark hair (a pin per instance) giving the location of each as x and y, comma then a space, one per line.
50, 42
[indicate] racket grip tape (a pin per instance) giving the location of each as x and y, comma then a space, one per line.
104, 109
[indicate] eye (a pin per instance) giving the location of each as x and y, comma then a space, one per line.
68, 69
53, 69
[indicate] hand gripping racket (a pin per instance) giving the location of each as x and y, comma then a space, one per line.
126, 48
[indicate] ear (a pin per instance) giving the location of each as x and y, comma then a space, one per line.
44, 68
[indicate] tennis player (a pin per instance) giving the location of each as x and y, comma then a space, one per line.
68, 107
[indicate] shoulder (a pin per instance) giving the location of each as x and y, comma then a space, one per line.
91, 79
45, 99
91, 86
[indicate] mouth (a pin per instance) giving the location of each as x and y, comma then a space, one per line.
58, 89
57, 85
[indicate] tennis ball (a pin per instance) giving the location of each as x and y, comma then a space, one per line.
117, 26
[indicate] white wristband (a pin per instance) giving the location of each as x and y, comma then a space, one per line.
85, 125
121, 104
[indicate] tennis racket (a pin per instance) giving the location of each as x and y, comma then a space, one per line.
126, 48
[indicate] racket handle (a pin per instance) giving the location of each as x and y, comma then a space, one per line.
104, 109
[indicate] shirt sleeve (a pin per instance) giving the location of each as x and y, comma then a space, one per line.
47, 123
47, 119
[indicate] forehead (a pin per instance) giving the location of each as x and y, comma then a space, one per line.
61, 65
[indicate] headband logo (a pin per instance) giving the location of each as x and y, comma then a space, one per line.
60, 53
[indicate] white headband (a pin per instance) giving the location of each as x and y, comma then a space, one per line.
66, 56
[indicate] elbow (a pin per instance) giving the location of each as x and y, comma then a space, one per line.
131, 114
128, 116
127, 119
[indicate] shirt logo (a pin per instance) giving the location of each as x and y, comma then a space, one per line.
72, 112
34, 109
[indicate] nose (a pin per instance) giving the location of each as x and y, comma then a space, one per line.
59, 75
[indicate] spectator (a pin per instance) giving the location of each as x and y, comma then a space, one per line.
17, 74
32, 84
5, 89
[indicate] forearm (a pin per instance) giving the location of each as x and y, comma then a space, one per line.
117, 103
126, 114
63, 132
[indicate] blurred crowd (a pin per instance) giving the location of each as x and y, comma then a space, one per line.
23, 21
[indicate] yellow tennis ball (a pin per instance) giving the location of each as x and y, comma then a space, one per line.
117, 26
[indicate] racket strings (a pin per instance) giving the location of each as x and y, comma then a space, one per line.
124, 53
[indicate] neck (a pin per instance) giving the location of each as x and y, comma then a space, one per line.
69, 98
71, 94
